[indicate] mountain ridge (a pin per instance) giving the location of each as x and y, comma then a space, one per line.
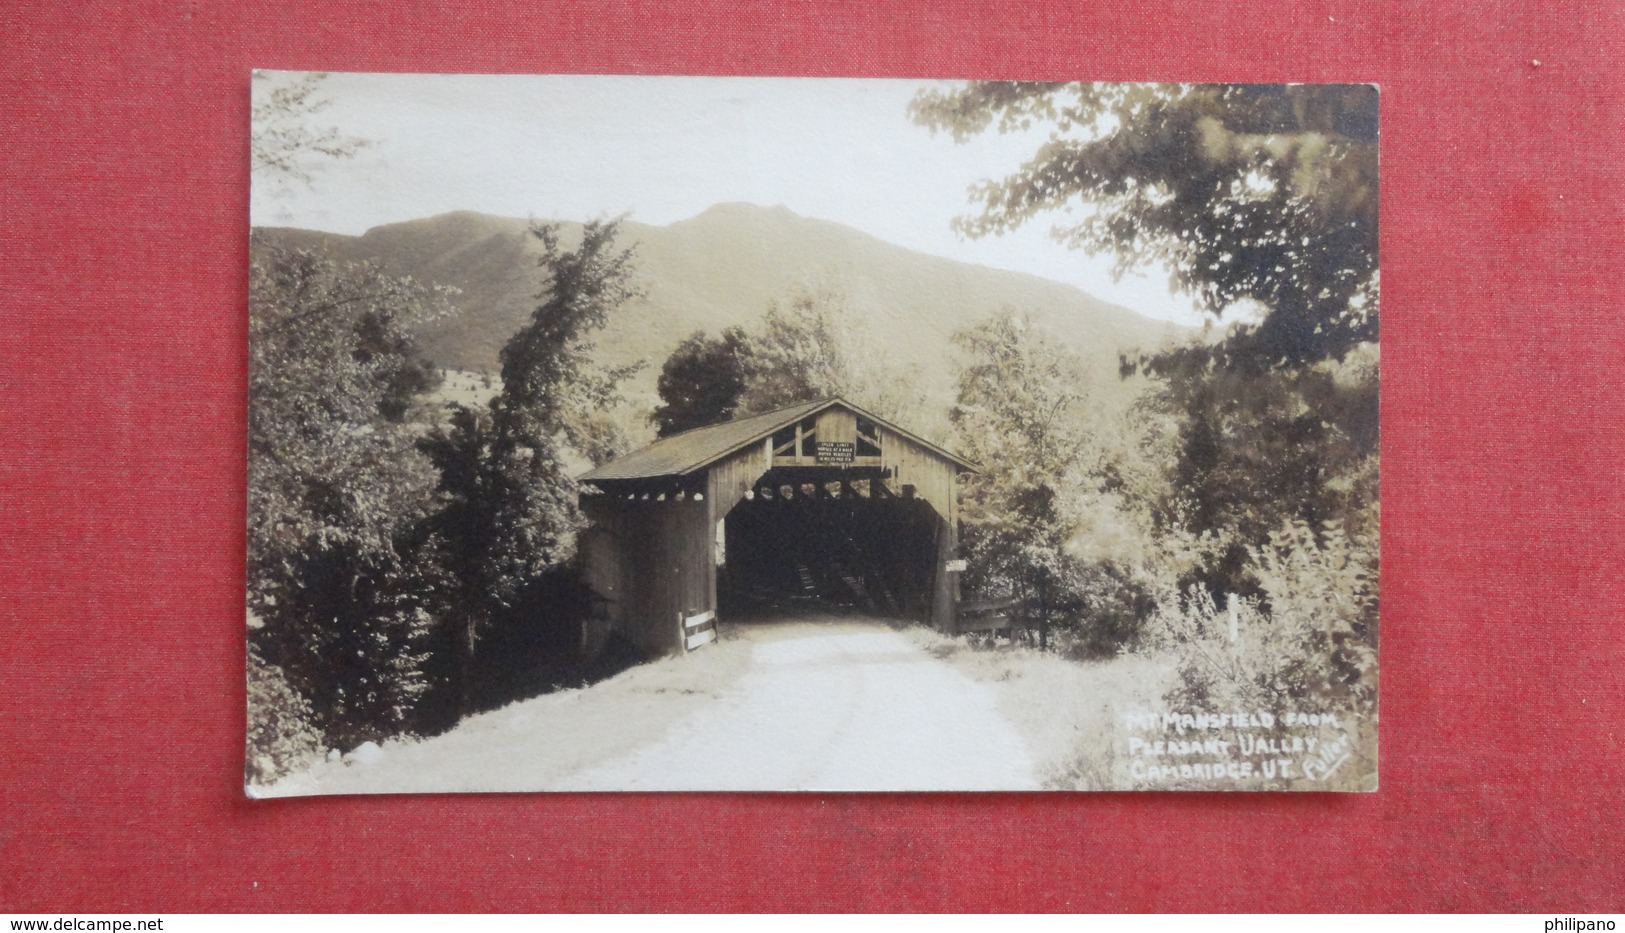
721, 268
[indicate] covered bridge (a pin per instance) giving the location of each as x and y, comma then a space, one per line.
820, 500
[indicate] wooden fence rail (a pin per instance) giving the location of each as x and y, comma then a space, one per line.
697, 630
987, 615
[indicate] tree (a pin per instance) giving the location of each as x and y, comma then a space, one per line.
1019, 415
509, 511
801, 351
813, 346
1246, 193
335, 487
333, 373
1263, 195
282, 141
1257, 450
701, 382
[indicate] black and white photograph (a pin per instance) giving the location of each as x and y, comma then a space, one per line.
613, 433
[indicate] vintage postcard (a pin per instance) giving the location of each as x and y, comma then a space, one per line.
662, 433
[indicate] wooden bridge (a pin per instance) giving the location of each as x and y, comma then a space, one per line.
821, 500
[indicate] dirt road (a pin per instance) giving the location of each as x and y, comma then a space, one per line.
813, 704
832, 706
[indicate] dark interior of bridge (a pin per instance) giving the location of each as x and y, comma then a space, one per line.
834, 545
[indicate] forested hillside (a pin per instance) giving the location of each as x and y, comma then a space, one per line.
723, 268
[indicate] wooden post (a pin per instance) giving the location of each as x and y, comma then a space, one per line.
942, 584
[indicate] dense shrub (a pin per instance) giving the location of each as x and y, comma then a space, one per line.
1116, 607
1309, 642
1325, 583
335, 488
281, 736
350, 635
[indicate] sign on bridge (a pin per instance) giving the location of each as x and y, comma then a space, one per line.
835, 452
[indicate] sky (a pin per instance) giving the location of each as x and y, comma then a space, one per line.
666, 148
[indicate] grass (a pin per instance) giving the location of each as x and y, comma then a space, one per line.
1068, 712
469, 389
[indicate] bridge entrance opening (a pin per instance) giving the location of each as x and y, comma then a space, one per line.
829, 539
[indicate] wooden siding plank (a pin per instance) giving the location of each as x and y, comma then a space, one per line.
838, 424
933, 478
730, 478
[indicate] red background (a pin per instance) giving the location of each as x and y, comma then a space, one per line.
122, 276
